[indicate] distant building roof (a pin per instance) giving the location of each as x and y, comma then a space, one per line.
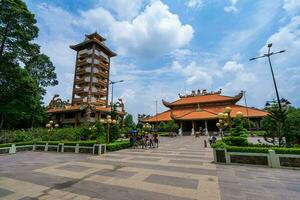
204, 98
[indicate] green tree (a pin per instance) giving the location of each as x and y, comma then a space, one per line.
171, 126
41, 69
162, 127
114, 132
128, 121
238, 127
17, 30
275, 126
21, 88
19, 97
293, 126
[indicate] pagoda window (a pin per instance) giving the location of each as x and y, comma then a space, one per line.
96, 61
89, 60
87, 79
87, 51
93, 99
94, 89
86, 89
93, 115
88, 69
94, 80
77, 96
96, 70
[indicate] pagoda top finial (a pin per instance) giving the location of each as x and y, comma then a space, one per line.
96, 36
200, 93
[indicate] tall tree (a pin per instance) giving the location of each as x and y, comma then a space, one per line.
41, 69
21, 89
128, 121
19, 96
17, 30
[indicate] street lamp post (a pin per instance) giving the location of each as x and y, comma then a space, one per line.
50, 126
269, 54
112, 91
109, 121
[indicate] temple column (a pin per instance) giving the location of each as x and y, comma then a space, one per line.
206, 129
193, 129
180, 129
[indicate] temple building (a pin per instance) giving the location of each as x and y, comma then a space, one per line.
90, 87
200, 110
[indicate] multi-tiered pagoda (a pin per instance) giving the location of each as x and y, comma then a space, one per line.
90, 86
200, 110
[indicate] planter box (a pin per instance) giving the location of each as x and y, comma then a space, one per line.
4, 150
270, 159
24, 148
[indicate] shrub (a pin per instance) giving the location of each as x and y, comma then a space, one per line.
235, 141
114, 132
287, 150
219, 145
118, 145
253, 148
248, 149
238, 128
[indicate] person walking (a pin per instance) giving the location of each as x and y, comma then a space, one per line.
156, 139
151, 140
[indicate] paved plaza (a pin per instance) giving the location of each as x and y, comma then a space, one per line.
181, 169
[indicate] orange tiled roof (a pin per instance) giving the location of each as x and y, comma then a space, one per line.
161, 117
207, 98
77, 108
204, 113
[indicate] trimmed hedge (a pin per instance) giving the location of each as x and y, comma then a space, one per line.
118, 146
235, 141
255, 148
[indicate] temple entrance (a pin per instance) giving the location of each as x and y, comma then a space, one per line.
187, 127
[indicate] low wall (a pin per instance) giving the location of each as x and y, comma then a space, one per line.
96, 149
270, 159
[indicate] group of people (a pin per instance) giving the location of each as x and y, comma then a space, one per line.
145, 140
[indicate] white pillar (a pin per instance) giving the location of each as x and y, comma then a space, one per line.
180, 129
193, 129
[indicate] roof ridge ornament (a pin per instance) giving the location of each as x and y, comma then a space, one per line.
200, 93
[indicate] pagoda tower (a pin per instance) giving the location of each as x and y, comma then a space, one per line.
91, 77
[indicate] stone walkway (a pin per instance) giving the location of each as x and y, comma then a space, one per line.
180, 169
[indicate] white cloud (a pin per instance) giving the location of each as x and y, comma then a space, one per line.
232, 7
291, 6
124, 9
194, 3
233, 66
193, 73
153, 32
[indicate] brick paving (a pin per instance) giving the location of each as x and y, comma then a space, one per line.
181, 169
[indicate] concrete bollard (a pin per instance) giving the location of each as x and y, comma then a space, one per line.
77, 148
274, 159
12, 149
46, 147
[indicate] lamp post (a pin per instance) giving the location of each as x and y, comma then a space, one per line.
50, 126
222, 124
109, 121
112, 91
228, 111
269, 54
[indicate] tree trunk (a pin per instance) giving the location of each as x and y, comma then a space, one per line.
3, 40
2, 121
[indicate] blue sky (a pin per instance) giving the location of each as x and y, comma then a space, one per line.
166, 47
